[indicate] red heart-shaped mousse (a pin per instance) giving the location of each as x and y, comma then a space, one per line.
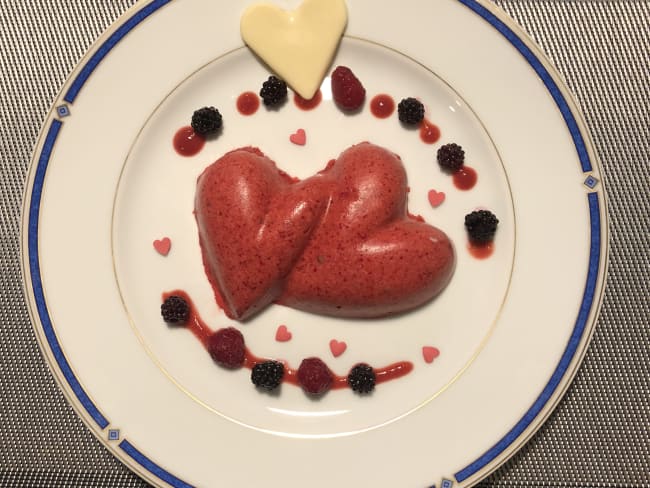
338, 243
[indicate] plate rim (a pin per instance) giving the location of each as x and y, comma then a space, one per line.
492, 459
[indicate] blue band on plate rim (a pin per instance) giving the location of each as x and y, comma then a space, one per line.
152, 467
109, 44
543, 73
567, 356
562, 367
37, 285
594, 252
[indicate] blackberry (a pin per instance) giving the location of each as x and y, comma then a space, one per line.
410, 111
274, 91
206, 121
226, 346
267, 375
175, 310
362, 378
451, 157
481, 226
314, 376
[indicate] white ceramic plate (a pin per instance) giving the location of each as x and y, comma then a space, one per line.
105, 183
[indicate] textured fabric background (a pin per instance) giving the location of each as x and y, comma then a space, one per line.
598, 436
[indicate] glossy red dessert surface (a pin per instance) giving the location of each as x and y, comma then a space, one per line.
339, 243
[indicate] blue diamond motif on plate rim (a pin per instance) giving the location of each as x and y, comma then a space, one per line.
591, 182
63, 110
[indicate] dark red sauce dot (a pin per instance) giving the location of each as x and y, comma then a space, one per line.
187, 142
382, 106
304, 104
465, 178
480, 250
248, 103
429, 132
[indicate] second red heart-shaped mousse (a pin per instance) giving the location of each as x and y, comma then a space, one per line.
338, 243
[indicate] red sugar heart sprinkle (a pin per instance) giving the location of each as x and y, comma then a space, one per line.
299, 137
337, 347
429, 353
436, 198
162, 246
282, 334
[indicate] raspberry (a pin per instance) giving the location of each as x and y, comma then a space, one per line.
226, 346
314, 376
362, 378
451, 157
347, 90
267, 375
175, 310
410, 111
481, 226
206, 121
274, 91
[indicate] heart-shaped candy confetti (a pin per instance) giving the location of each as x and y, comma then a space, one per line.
299, 137
429, 353
163, 246
282, 334
299, 44
337, 347
436, 198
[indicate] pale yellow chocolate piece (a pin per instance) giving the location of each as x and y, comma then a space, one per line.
298, 45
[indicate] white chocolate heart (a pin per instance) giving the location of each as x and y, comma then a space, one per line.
298, 45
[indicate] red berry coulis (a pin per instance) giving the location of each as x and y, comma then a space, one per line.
187, 142
304, 104
382, 106
480, 250
202, 332
429, 132
248, 103
465, 178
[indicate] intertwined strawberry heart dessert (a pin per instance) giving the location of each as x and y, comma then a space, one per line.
338, 243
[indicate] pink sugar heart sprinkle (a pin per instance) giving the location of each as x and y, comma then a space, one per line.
299, 137
436, 198
430, 353
282, 334
337, 347
163, 246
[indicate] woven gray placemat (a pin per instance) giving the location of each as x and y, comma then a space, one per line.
599, 434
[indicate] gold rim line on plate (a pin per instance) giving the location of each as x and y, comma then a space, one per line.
44, 345
32, 308
590, 323
453, 379
603, 264
30, 299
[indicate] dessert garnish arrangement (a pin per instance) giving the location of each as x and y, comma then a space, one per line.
340, 243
